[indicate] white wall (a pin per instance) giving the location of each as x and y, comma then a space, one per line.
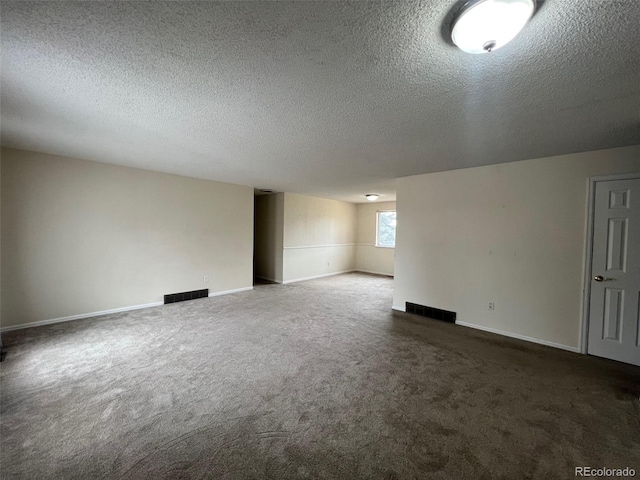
268, 246
370, 258
319, 237
513, 234
81, 237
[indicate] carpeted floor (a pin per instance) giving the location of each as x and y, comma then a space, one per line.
311, 380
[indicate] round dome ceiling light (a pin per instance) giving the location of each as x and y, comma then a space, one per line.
372, 197
483, 26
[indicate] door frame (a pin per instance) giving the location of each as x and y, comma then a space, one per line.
586, 291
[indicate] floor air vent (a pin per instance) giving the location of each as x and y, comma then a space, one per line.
181, 297
430, 312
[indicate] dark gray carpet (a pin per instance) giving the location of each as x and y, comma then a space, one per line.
311, 380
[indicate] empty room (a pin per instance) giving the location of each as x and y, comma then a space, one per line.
320, 239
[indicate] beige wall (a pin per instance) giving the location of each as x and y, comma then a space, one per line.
513, 234
269, 225
81, 237
319, 237
370, 258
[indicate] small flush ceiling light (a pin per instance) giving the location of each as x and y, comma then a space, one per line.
483, 26
372, 197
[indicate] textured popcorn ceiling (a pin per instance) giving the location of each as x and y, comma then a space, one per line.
331, 99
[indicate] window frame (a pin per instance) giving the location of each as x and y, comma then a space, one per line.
377, 244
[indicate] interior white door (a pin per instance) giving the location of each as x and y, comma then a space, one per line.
614, 305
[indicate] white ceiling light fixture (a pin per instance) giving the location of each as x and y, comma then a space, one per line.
372, 197
483, 26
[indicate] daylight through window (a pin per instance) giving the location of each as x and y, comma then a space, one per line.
386, 231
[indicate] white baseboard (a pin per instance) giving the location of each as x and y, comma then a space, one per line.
106, 312
373, 273
399, 309
227, 292
520, 337
318, 276
79, 316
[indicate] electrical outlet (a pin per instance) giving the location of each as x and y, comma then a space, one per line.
492, 306
205, 279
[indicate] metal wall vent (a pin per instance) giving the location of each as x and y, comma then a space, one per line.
181, 297
430, 312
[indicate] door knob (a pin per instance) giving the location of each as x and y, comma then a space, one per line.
600, 278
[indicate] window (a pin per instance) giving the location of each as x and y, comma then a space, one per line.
386, 229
